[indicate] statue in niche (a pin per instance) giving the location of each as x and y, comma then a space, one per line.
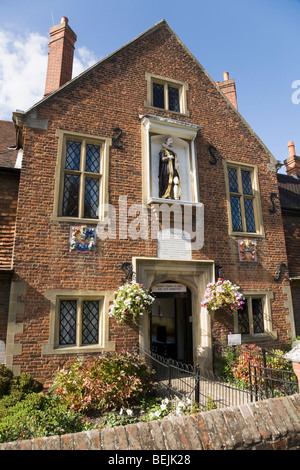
169, 177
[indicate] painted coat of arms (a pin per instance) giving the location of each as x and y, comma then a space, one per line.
247, 250
82, 239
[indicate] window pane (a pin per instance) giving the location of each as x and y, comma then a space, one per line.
92, 158
67, 324
91, 198
158, 95
173, 99
249, 214
258, 316
233, 181
246, 181
236, 214
71, 195
243, 320
90, 322
73, 155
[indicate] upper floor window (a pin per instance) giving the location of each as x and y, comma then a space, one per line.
243, 199
166, 93
81, 189
82, 180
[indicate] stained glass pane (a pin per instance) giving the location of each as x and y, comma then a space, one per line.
91, 198
236, 214
73, 155
246, 181
249, 214
243, 320
233, 181
67, 324
158, 95
90, 322
258, 316
71, 195
173, 99
92, 158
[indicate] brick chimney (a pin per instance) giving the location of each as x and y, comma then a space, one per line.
60, 56
228, 88
292, 163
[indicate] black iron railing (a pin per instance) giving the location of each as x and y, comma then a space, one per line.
271, 378
190, 382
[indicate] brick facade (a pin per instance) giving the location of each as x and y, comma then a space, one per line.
113, 94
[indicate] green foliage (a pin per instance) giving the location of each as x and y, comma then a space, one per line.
37, 416
112, 381
6, 377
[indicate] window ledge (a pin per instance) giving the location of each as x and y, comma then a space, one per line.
91, 348
271, 335
75, 221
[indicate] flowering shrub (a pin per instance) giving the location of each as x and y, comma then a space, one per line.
131, 299
222, 294
111, 381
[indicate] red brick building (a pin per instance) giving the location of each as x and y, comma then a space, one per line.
92, 149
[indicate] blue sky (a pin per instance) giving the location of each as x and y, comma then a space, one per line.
256, 41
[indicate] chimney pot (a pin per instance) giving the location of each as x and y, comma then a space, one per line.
226, 76
64, 19
292, 163
291, 147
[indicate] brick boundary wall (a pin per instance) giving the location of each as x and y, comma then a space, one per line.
272, 424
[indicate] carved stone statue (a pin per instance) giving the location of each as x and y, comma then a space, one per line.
169, 177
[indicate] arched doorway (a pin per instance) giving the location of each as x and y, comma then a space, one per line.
171, 322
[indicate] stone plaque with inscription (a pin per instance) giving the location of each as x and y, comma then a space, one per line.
174, 244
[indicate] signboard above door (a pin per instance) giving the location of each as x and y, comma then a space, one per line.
169, 287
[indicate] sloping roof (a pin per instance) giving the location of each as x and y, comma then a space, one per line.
19, 116
8, 151
289, 191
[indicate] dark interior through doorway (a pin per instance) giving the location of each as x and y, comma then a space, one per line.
171, 322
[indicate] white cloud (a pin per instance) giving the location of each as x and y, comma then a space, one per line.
23, 67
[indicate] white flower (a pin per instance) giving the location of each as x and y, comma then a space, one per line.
129, 412
121, 411
163, 407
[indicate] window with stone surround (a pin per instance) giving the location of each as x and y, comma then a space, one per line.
166, 93
243, 198
255, 319
79, 322
81, 177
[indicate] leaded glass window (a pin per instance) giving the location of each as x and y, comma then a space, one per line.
166, 96
67, 324
90, 322
158, 95
251, 316
79, 322
173, 99
242, 199
82, 180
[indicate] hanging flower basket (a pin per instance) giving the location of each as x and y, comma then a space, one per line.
132, 301
222, 296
